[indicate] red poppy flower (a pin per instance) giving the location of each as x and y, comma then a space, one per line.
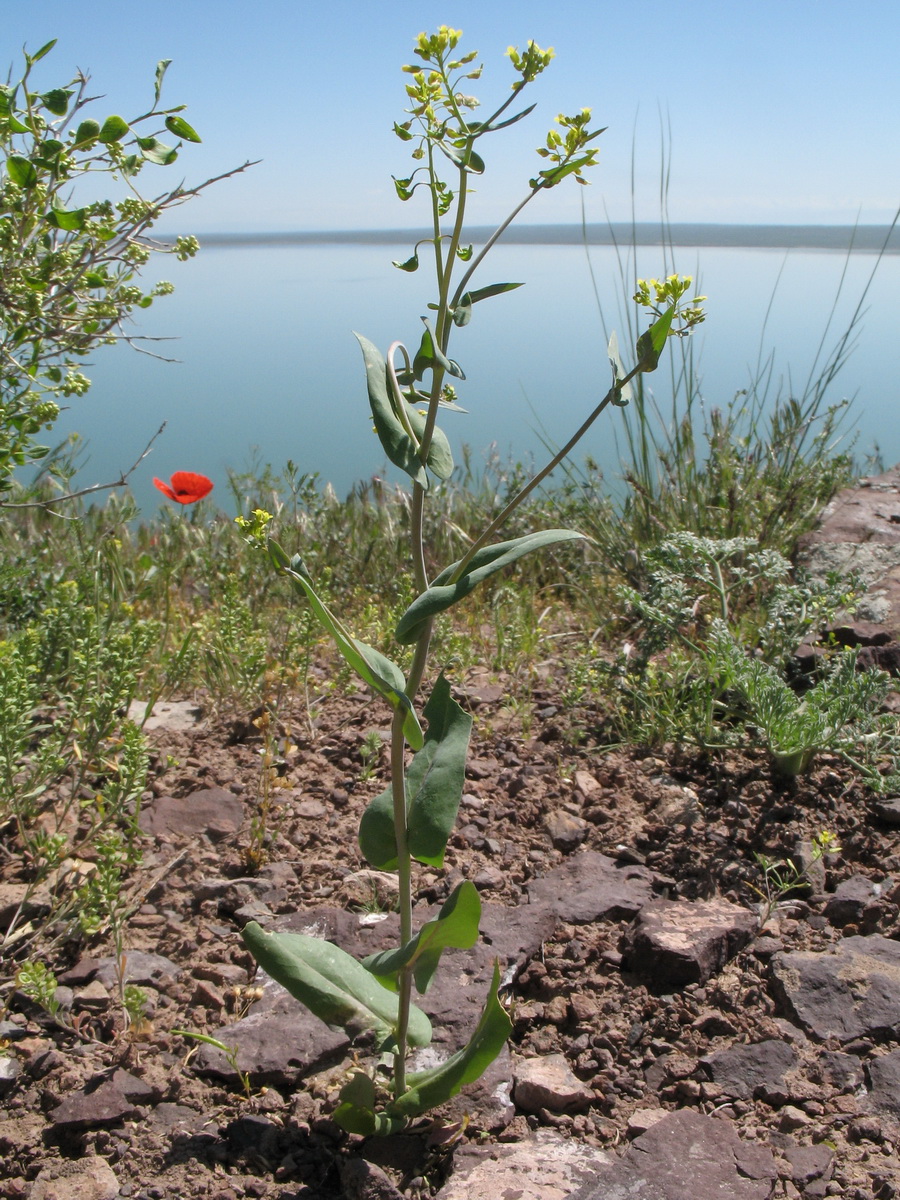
187, 487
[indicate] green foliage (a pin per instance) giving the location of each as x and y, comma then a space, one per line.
780, 877
36, 981
717, 623
71, 770
840, 713
70, 260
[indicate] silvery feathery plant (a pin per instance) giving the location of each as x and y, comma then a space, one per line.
412, 820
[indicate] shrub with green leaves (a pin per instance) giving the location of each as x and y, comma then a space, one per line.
411, 821
71, 770
69, 262
715, 626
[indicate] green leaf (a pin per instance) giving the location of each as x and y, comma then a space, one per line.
440, 456
467, 159
436, 776
429, 353
180, 128
57, 101
456, 926
382, 675
462, 314
434, 786
87, 131
61, 219
399, 446
113, 129
510, 120
411, 264
156, 152
332, 985
395, 440
402, 131
650, 344
356, 1111
50, 149
16, 125
625, 393
428, 1089
45, 49
161, 67
21, 171
443, 593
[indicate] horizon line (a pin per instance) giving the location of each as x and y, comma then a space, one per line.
848, 238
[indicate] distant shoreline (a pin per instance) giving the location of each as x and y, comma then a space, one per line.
861, 239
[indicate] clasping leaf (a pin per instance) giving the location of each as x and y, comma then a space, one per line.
333, 985
443, 593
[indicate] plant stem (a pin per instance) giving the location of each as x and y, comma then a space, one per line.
404, 876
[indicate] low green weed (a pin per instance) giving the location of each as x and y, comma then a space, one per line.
714, 629
782, 876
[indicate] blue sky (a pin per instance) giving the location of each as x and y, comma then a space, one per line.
780, 110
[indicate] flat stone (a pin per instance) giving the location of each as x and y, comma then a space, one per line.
884, 1083
686, 1156
29, 903
809, 1163
135, 1089
851, 993
278, 1043
841, 1071
548, 1082
366, 887
671, 944
587, 785
859, 532
643, 1119
590, 887
211, 811
145, 970
93, 996
82, 1179
887, 809
856, 901
752, 1072
165, 714
365, 1181
103, 1107
543, 1166
565, 830
311, 810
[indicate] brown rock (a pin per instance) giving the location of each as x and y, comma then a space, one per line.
210, 811
853, 992
591, 887
84, 1179
688, 1156
671, 944
566, 831
100, 1108
548, 1083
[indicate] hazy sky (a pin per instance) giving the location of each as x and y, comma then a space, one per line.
780, 110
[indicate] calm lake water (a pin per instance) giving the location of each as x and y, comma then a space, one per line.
269, 370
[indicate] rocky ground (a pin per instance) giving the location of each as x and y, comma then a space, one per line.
665, 1045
